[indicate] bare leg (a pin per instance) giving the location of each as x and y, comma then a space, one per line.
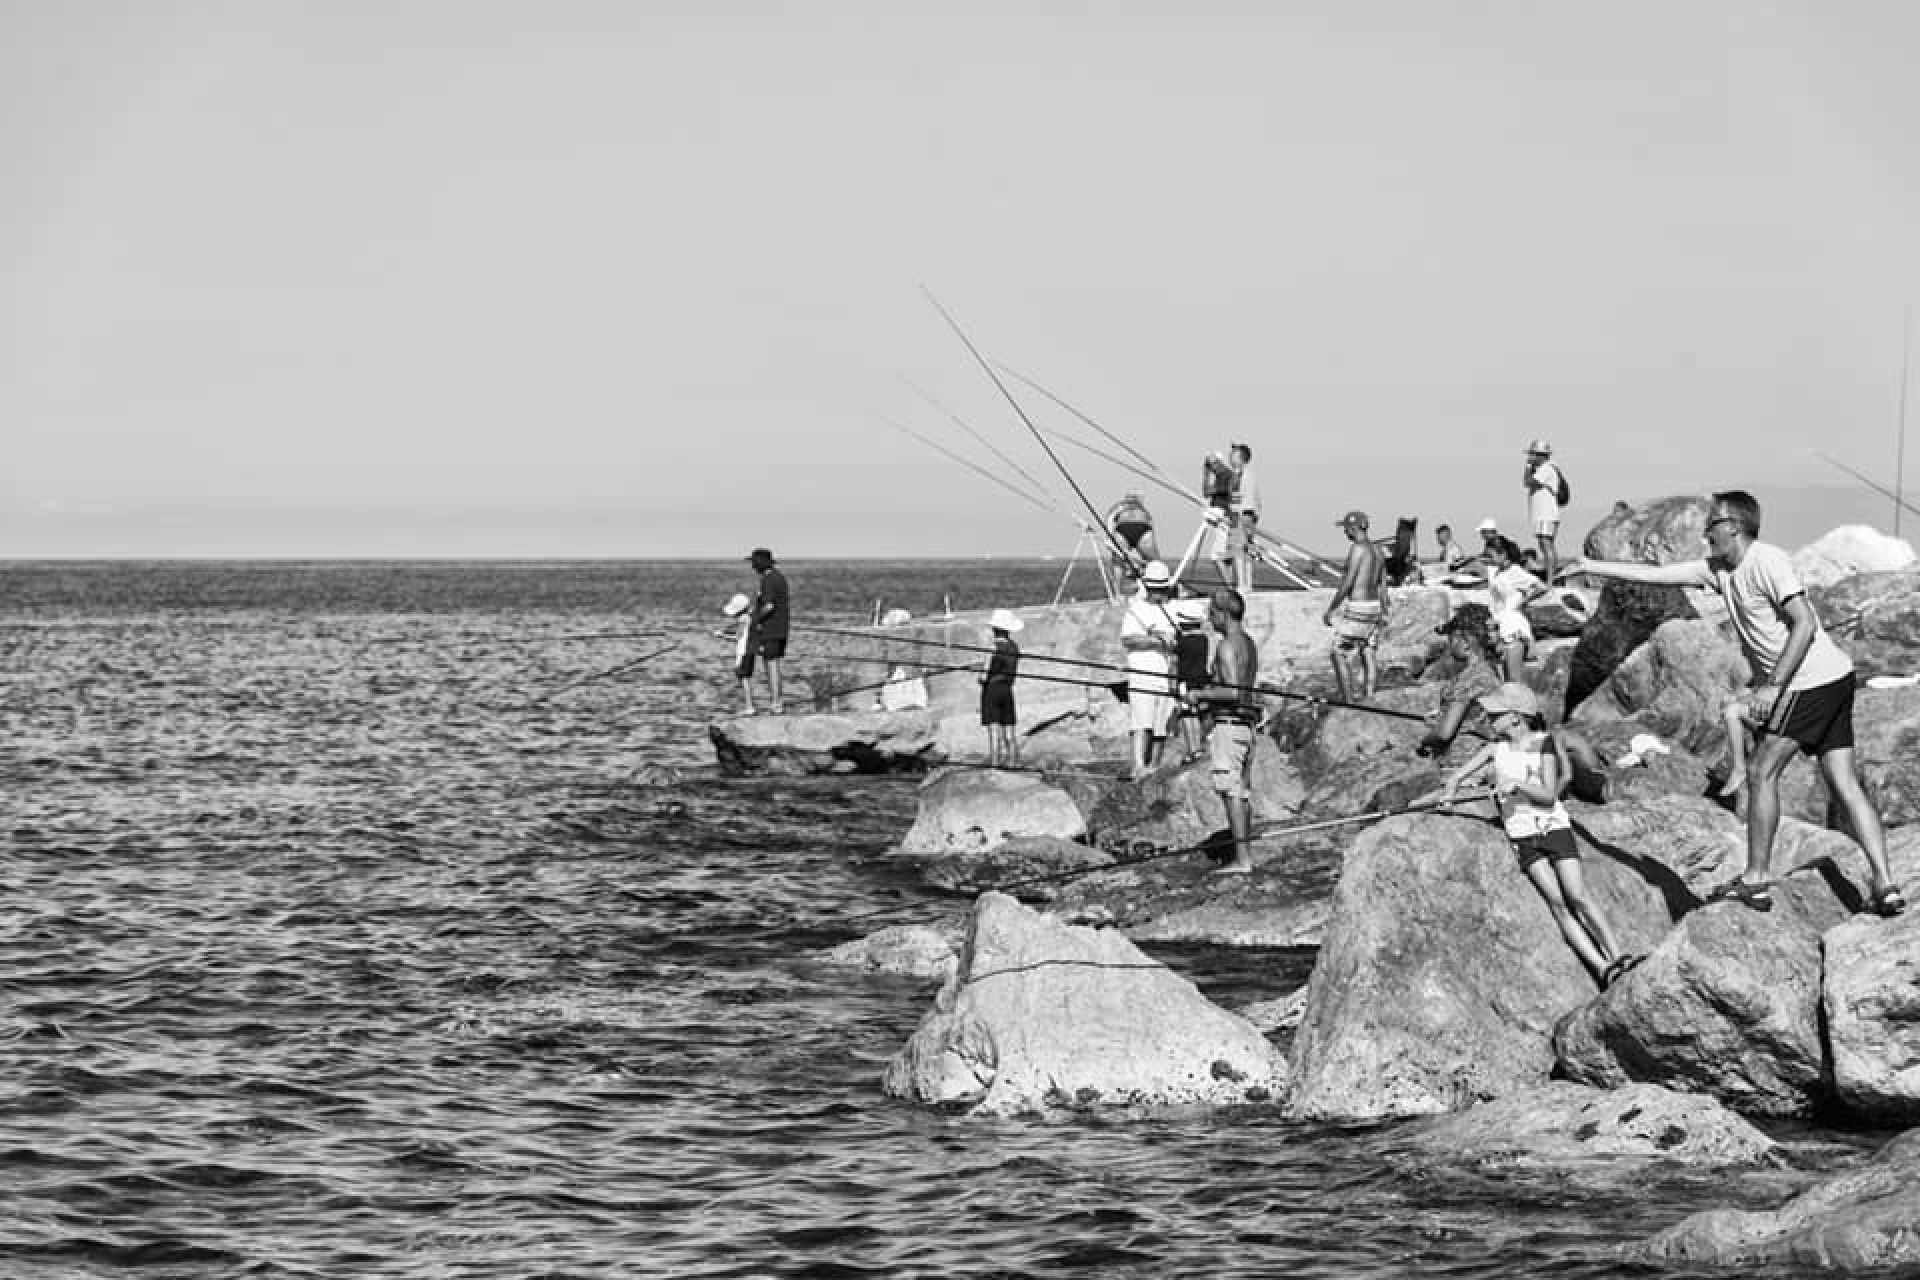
1735, 722
1515, 655
1573, 887
1843, 780
746, 691
1240, 823
1369, 669
1339, 673
1012, 746
1142, 752
1764, 767
1549, 557
1541, 872
773, 685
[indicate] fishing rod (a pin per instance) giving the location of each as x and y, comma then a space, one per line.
973, 466
526, 640
969, 428
601, 675
1113, 538
1154, 472
1275, 690
1884, 492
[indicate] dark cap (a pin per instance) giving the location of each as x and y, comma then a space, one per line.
1354, 519
760, 555
1470, 617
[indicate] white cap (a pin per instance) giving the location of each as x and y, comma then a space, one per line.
1005, 620
736, 606
1489, 525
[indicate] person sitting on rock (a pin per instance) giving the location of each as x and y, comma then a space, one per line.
1526, 787
1475, 648
997, 712
1512, 588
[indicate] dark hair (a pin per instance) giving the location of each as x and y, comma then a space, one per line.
1229, 602
1442, 528
1742, 506
1475, 621
1244, 448
1506, 546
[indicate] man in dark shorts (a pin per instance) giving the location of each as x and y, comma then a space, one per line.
770, 622
1803, 687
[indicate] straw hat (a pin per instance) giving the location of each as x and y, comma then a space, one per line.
1005, 620
1512, 697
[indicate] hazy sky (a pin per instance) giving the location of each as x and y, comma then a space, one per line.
637, 279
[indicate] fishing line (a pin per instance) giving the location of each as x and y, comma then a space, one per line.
975, 467
601, 675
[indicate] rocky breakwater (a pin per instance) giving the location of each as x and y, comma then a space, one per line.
1069, 710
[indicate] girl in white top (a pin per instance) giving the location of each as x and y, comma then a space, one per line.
1526, 783
1510, 587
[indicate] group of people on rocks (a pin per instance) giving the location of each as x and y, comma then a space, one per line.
1800, 699
1230, 526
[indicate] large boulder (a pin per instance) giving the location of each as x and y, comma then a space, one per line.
1442, 972
1728, 1003
1673, 686
1876, 619
1176, 804
1872, 1003
1561, 1123
1847, 550
926, 951
971, 811
869, 742
1043, 1017
1661, 532
1561, 612
1863, 1219
1628, 613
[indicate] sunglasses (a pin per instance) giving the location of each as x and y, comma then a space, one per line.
1714, 524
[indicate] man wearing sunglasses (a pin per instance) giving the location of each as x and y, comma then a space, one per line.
1803, 687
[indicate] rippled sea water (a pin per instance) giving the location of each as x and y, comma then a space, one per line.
334, 946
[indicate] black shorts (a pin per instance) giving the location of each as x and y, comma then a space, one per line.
744, 667
1131, 531
1556, 844
996, 704
772, 648
1819, 719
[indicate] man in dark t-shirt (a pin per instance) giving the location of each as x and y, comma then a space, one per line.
770, 621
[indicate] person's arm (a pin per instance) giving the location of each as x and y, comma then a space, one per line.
1803, 624
1347, 580
1547, 790
1475, 763
1532, 589
1681, 573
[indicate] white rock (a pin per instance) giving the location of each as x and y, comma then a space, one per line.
1850, 549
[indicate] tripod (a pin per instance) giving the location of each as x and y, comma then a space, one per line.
1211, 522
1097, 548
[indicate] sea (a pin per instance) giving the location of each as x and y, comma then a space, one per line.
346, 930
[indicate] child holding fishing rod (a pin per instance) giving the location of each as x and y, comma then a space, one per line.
1526, 789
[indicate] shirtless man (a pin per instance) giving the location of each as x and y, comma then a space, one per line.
1358, 609
1228, 699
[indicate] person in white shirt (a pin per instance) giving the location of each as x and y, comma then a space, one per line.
1542, 482
1246, 511
1149, 635
1802, 693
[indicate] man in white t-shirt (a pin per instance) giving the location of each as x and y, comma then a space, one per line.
1542, 482
1149, 635
1803, 686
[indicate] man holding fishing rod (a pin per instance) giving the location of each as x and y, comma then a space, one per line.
1229, 701
1149, 635
768, 639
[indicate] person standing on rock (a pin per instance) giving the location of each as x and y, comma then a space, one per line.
997, 712
1358, 609
740, 608
1526, 786
1229, 700
1541, 480
1246, 515
1220, 482
771, 620
1149, 635
1510, 588
1802, 694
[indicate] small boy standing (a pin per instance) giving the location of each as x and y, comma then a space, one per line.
996, 691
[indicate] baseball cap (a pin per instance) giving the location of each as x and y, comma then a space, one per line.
1356, 518
1540, 447
1156, 574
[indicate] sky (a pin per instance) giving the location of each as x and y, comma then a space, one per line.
651, 279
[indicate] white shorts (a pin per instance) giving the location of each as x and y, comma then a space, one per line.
1514, 626
1149, 700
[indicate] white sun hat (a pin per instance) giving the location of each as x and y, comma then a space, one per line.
1005, 620
736, 606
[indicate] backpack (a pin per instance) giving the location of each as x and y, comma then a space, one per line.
1563, 492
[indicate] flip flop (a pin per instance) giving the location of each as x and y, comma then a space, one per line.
1747, 893
1889, 901
1621, 965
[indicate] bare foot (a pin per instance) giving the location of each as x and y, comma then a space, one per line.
1238, 867
1735, 780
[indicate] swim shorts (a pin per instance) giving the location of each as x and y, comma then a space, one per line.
772, 648
1555, 842
996, 704
1358, 626
1819, 719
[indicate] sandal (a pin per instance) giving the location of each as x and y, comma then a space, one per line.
1621, 965
1889, 901
1748, 893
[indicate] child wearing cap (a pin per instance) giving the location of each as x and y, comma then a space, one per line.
1526, 785
996, 691
740, 608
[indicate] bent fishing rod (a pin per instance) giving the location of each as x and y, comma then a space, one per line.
975, 467
973, 431
1275, 690
1113, 538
